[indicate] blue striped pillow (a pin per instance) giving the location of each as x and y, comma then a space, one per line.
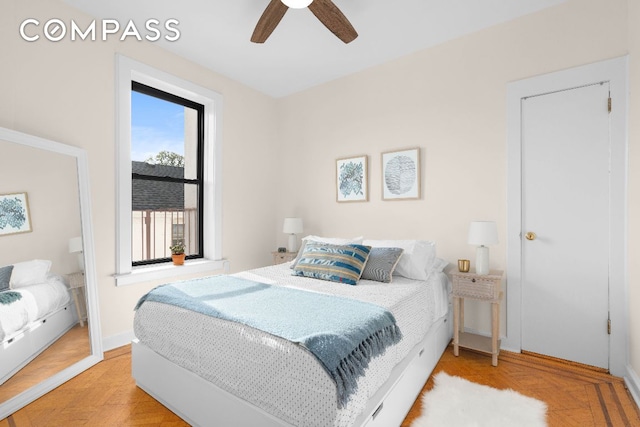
337, 263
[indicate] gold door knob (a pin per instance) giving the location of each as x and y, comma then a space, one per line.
530, 235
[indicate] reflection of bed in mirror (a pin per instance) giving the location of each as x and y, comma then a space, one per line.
44, 346
34, 312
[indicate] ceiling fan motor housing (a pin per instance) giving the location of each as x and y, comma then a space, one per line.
325, 10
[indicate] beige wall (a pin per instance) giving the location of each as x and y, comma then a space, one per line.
279, 155
65, 91
451, 102
51, 183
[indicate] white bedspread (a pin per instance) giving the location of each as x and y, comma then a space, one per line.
276, 375
37, 302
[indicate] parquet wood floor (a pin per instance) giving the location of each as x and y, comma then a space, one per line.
106, 395
70, 348
575, 395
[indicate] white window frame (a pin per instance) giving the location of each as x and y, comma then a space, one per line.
129, 70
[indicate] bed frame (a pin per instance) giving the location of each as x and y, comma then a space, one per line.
201, 403
20, 348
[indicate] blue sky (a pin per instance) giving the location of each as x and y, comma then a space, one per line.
156, 125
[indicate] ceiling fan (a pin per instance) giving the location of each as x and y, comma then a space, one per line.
327, 12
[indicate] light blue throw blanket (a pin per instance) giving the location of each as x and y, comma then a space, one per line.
7, 297
344, 334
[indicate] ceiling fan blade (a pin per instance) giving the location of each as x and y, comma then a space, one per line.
332, 18
268, 21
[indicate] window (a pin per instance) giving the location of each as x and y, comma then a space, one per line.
166, 180
192, 212
177, 234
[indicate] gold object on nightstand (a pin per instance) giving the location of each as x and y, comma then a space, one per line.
463, 265
281, 257
486, 288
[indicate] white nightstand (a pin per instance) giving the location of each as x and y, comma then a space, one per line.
76, 285
280, 257
482, 288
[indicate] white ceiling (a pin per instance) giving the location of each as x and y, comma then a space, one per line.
301, 52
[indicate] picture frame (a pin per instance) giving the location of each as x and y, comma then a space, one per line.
14, 214
352, 179
401, 174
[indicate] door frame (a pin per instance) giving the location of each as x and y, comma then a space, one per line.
613, 71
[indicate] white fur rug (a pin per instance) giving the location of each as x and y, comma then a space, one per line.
456, 402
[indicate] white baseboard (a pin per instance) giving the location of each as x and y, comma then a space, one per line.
633, 384
631, 378
119, 340
488, 335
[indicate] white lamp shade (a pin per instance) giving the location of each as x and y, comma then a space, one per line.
292, 226
483, 233
75, 245
297, 4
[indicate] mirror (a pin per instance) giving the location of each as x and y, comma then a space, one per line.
47, 184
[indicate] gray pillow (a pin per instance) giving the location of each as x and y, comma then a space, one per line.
5, 277
381, 263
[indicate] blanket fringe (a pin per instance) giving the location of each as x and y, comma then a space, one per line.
353, 366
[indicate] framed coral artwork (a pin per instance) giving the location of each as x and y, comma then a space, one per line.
14, 214
401, 174
352, 179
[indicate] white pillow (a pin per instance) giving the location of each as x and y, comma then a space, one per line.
327, 240
416, 261
335, 240
29, 273
439, 265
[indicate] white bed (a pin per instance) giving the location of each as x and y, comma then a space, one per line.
32, 323
201, 369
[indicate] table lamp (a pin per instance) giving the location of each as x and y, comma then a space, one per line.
75, 247
292, 226
483, 234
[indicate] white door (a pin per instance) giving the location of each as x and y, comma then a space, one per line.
565, 202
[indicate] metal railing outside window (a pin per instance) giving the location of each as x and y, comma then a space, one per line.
154, 231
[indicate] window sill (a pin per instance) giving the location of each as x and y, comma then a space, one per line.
170, 271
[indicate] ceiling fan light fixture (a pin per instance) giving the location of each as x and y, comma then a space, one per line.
297, 4
326, 12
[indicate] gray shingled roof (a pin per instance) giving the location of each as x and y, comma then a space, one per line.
157, 195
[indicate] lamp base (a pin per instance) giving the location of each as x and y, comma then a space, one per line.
293, 243
482, 260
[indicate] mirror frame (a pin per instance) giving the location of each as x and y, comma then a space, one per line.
91, 287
